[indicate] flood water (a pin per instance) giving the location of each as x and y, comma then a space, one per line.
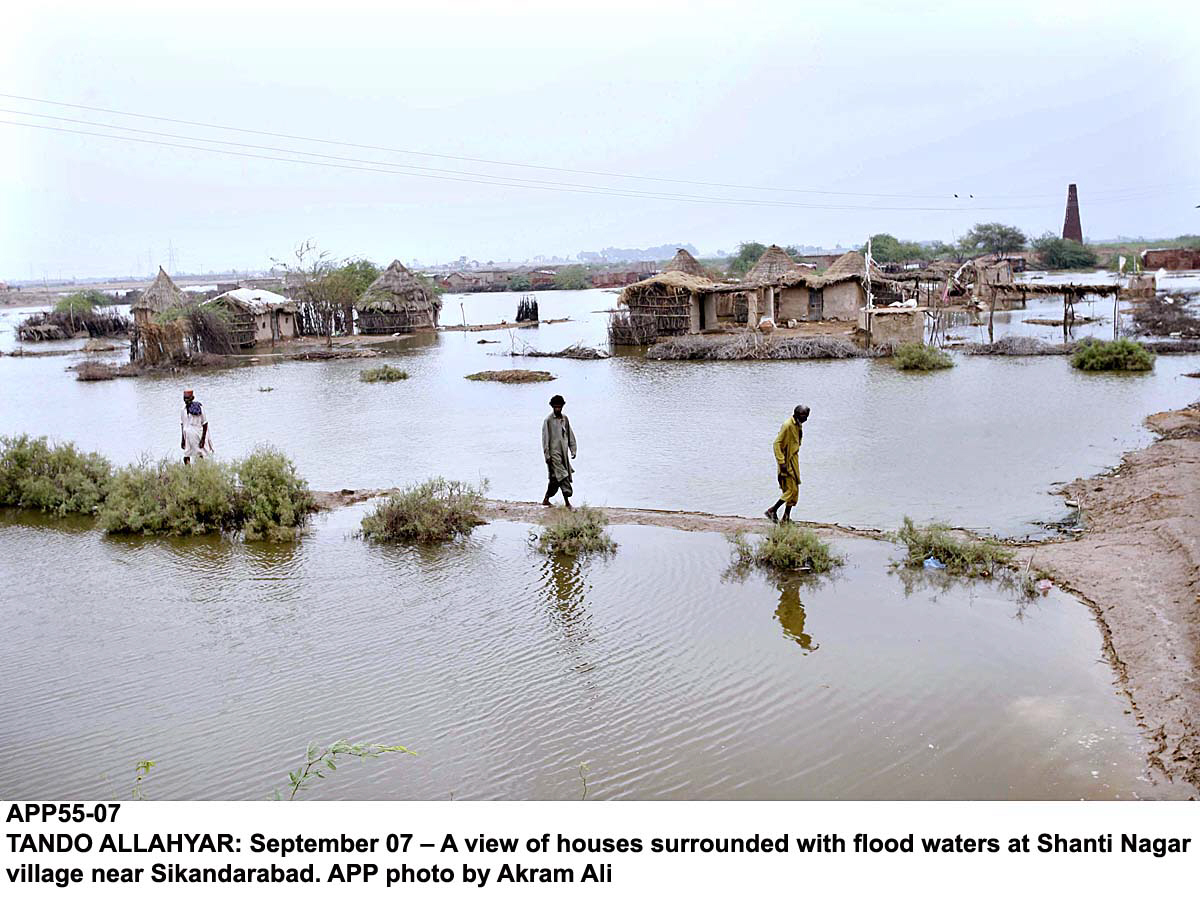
505, 670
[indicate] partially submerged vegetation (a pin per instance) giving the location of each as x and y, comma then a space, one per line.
511, 376
385, 373
435, 511
755, 346
273, 502
951, 550
785, 548
58, 478
924, 357
1122, 356
576, 532
318, 761
85, 312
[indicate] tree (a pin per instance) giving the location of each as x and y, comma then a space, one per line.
747, 254
993, 237
519, 283
886, 248
325, 291
1057, 253
572, 278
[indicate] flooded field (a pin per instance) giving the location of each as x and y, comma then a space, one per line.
506, 669
962, 445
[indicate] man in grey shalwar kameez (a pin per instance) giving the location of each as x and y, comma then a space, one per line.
558, 445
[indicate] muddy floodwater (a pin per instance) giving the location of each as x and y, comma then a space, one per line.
505, 670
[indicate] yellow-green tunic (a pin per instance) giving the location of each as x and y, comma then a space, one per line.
787, 459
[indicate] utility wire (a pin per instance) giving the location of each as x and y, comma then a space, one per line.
506, 182
515, 164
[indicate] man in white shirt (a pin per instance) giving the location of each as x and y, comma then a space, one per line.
193, 425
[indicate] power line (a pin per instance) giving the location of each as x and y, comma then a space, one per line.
516, 164
506, 182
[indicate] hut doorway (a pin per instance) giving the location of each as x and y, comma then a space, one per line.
816, 304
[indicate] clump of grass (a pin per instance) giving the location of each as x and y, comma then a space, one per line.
1123, 355
385, 373
52, 478
786, 548
511, 376
917, 356
578, 531
960, 555
273, 502
171, 499
434, 511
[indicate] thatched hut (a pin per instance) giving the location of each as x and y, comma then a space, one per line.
255, 316
772, 265
839, 293
397, 301
162, 295
673, 303
685, 262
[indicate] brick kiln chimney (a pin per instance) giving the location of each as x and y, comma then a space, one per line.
1071, 227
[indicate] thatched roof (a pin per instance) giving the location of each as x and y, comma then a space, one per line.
667, 281
685, 262
398, 289
774, 263
163, 294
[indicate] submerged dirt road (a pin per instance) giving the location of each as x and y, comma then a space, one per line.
1138, 566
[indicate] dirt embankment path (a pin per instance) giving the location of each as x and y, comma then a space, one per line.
1138, 566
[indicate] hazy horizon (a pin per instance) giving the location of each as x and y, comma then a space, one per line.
618, 124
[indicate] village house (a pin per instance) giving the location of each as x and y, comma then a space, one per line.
256, 316
397, 302
1173, 260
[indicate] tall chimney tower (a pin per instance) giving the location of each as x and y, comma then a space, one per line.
1072, 230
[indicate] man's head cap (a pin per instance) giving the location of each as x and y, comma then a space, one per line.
187, 393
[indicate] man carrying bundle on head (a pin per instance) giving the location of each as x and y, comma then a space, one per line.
558, 445
193, 425
787, 463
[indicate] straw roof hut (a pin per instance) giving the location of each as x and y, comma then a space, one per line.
685, 262
162, 295
666, 304
397, 301
773, 264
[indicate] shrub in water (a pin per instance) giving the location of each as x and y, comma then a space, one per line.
52, 478
1123, 355
579, 530
435, 511
172, 499
786, 548
385, 373
272, 501
960, 555
916, 356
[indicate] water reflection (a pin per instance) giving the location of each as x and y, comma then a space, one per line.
791, 616
564, 593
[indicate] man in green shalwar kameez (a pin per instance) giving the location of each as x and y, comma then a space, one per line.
558, 445
787, 462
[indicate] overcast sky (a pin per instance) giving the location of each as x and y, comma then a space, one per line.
1007, 102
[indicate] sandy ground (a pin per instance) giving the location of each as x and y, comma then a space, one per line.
1138, 566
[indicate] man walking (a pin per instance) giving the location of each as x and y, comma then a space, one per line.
193, 425
787, 460
558, 445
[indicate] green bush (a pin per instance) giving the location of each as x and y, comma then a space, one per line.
1058, 253
385, 373
786, 548
172, 499
960, 555
579, 530
272, 501
917, 356
52, 478
83, 303
1125, 355
435, 511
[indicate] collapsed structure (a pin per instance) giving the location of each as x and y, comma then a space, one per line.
256, 316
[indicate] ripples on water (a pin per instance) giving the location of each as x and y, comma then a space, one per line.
505, 669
